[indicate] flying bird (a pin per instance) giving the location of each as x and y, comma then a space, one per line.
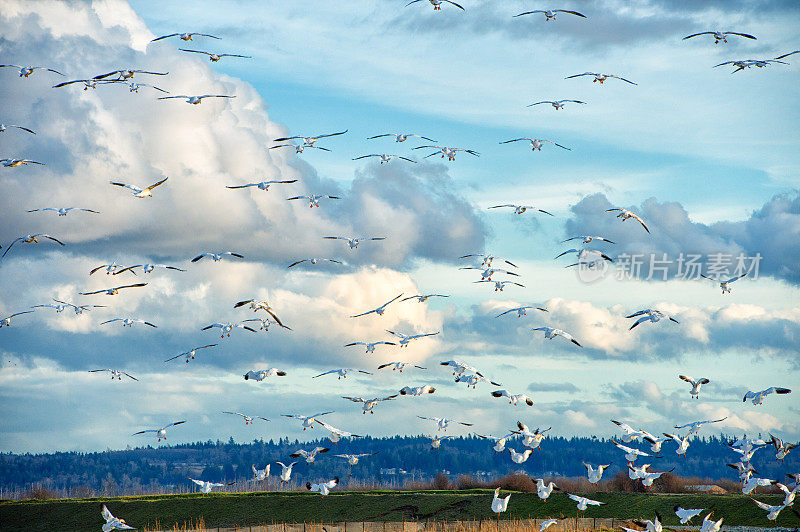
400, 137
499, 285
513, 399
536, 144
313, 199
216, 257
206, 486
486, 260
189, 355
113, 291
162, 432
260, 474
308, 142
686, 515
422, 298
257, 305
140, 192
336, 434
380, 310
196, 100
531, 439
14, 163
724, 285
594, 474
369, 404
399, 366
113, 523
442, 422
26, 71
450, 153
557, 104
499, 505
310, 456
353, 459
772, 511
248, 420
473, 379
286, 472
544, 490
31, 239
314, 260
651, 315
521, 311
406, 339
324, 488
298, 148
342, 372
696, 384
353, 242
385, 157
184, 36
520, 209
115, 374
600, 78
519, 458
147, 268
4, 127
550, 333
370, 346
586, 239
214, 57
583, 502
126, 74
63, 211
437, 4
625, 214
226, 328
128, 322
260, 375
308, 421
550, 14
134, 87
262, 185
758, 397
781, 450
417, 391
720, 35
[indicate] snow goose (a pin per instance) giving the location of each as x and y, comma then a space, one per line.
63, 211
583, 502
422, 298
161, 433
594, 474
213, 57
709, 525
324, 488
532, 440
31, 239
547, 523
262, 185
459, 368
724, 284
500, 442
601, 78
781, 448
520, 209
519, 458
720, 36
416, 391
399, 366
635, 473
442, 422
550, 14
260, 375
651, 526
264, 324
310, 456
129, 322
437, 4
406, 339
308, 421
686, 515
772, 511
450, 153
472, 380
370, 346
436, 440
513, 398
13, 163
500, 285
544, 490
557, 104
139, 192
384, 157
189, 355
651, 315
113, 523
127, 73
26, 71
521, 311
336, 434
260, 474
654, 441
631, 454
551, 333
298, 148
148, 268
184, 36
754, 482
4, 127
353, 459
227, 328
696, 384
353, 242
625, 214
683, 443
586, 239
206, 486
115, 373
308, 142
536, 144
648, 477
486, 260
264, 305
313, 260
499, 505
248, 420
369, 404
286, 472
195, 100
380, 310
313, 199
788, 494
694, 426
758, 397
341, 372
113, 291
87, 83
486, 273
216, 257
401, 137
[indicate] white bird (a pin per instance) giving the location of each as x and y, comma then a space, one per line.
260, 375
547, 523
585, 256
380, 310
683, 443
437, 4
286, 472
134, 87
544, 490
694, 427
422, 298
625, 214
264, 305
583, 502
79, 309
139, 192
594, 474
214, 57
531, 439
353, 459
31, 239
342, 372
216, 257
115, 373
486, 273
651, 315
128, 322
4, 127
110, 268
227, 328
417, 390
147, 268
536, 144
754, 482
184, 36
398, 366
248, 420
313, 199
772, 511
113, 523
63, 211
354, 241
521, 311
442, 422
629, 433
500, 443
486, 260
313, 261
586, 239
436, 440
652, 526
796, 478
406, 339
336, 434
708, 525
459, 368
298, 148
745, 470
519, 458
720, 35
450, 153
308, 142
520, 209
648, 477
499, 285
162, 432
472, 380
370, 346
631, 454
206, 486
114, 290
788, 494
87, 83
385, 157
557, 104
600, 78
400, 137
758, 397
26, 71
550, 333
13, 163
654, 441
308, 421
781, 448
262, 185
724, 284
550, 14
696, 384
127, 73
195, 100
369, 404
513, 398
323, 488
59, 307
686, 515
260, 474
310, 456
499, 505
742, 64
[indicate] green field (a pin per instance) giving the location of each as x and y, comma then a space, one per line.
228, 510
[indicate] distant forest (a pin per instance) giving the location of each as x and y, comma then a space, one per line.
401, 460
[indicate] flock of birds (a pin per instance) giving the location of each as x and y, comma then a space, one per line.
529, 439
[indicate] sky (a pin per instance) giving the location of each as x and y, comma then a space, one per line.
707, 158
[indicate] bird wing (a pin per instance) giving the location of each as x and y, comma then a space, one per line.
696, 34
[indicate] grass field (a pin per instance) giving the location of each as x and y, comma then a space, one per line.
258, 508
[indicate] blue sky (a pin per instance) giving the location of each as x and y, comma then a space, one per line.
709, 159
